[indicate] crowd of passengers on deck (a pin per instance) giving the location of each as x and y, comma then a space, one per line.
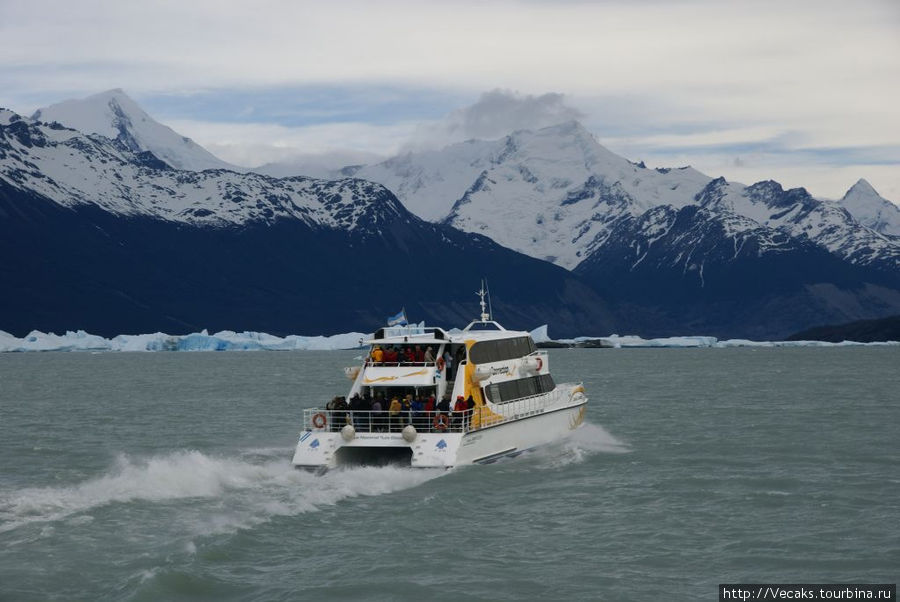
380, 414
411, 355
402, 354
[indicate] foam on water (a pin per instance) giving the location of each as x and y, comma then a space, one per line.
245, 492
587, 441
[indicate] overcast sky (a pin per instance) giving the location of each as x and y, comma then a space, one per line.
804, 92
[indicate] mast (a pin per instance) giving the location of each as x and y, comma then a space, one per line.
485, 315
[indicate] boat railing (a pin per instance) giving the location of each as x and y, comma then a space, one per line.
368, 421
372, 363
480, 417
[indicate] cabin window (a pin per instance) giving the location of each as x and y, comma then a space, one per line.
500, 350
517, 389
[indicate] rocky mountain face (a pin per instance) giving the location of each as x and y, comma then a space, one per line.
101, 237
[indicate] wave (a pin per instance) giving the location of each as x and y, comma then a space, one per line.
247, 489
586, 442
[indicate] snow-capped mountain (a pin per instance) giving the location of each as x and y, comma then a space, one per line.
673, 249
70, 168
557, 194
871, 209
100, 237
795, 213
106, 236
114, 115
521, 190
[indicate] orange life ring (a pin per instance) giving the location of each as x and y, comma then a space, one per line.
440, 364
319, 420
540, 363
441, 422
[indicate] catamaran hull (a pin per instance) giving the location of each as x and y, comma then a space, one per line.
321, 450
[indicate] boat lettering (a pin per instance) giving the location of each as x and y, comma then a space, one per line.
376, 437
500, 370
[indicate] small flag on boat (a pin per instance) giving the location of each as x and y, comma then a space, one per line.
399, 319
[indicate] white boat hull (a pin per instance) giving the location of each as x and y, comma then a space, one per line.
322, 449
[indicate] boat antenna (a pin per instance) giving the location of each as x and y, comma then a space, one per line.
490, 309
485, 316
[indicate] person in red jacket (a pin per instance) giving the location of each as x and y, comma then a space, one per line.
390, 355
459, 410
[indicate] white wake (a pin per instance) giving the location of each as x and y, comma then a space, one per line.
242, 491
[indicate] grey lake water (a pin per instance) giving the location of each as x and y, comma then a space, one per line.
166, 476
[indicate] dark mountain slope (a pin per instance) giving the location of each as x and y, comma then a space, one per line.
83, 267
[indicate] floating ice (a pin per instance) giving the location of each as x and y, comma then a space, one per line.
225, 340
228, 340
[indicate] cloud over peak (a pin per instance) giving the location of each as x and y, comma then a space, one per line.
494, 115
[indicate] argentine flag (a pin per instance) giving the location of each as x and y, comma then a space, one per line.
399, 319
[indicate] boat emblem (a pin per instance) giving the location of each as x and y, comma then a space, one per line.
314, 444
441, 444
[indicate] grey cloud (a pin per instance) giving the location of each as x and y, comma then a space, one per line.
496, 114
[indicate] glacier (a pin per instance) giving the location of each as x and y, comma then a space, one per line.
227, 340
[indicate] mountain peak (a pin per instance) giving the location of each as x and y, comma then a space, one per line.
862, 186
115, 115
870, 209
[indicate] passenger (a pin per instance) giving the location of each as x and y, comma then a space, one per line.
409, 355
341, 417
470, 409
443, 405
448, 360
428, 356
417, 408
459, 412
407, 405
378, 412
394, 414
390, 355
330, 407
419, 355
358, 411
377, 355
429, 412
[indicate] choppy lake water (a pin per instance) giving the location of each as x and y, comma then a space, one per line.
166, 476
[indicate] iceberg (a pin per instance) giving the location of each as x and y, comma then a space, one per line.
228, 340
225, 340
615, 341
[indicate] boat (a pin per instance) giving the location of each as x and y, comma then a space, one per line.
484, 393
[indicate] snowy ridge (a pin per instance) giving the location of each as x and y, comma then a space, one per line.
871, 210
116, 116
256, 341
72, 168
557, 194
554, 193
796, 213
7, 116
